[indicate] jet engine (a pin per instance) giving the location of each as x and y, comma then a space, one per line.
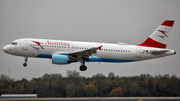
61, 59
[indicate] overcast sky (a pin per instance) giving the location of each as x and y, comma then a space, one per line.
110, 21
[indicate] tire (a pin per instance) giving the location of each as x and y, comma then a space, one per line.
24, 64
83, 68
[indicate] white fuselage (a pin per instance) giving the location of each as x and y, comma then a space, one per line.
108, 53
65, 52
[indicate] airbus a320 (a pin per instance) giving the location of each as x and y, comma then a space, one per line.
63, 52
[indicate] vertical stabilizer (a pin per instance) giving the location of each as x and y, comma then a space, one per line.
160, 36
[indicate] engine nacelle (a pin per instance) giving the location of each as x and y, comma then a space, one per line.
60, 59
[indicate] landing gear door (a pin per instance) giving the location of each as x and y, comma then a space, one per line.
25, 44
138, 52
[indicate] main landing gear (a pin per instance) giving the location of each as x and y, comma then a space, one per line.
82, 67
25, 59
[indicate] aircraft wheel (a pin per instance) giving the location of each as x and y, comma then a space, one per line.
24, 64
83, 68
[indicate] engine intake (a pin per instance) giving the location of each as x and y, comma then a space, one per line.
61, 59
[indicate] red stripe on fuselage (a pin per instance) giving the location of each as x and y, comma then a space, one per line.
152, 43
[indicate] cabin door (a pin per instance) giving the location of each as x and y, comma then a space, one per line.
138, 52
25, 44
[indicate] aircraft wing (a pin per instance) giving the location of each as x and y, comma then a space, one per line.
158, 52
83, 53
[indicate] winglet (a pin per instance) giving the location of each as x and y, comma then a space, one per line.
99, 47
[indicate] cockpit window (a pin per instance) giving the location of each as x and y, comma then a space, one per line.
14, 43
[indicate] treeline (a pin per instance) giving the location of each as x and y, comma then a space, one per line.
74, 85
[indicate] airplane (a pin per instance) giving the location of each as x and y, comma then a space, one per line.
63, 52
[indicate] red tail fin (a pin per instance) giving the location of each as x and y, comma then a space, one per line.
160, 36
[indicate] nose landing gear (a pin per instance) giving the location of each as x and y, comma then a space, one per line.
25, 59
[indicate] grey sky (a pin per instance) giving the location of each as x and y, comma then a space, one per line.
110, 21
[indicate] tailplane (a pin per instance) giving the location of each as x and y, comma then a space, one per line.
159, 37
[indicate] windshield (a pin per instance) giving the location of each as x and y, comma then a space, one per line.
13, 43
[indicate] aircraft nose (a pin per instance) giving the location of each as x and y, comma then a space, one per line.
5, 49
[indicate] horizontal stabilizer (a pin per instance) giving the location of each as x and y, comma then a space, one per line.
158, 52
